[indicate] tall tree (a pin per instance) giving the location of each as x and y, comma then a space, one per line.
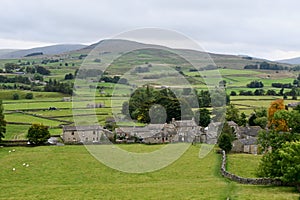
2, 122
277, 124
203, 117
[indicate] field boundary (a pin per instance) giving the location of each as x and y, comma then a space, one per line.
251, 181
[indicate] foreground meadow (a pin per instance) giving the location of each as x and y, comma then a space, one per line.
70, 172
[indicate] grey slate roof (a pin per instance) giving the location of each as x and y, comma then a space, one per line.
249, 141
82, 128
250, 130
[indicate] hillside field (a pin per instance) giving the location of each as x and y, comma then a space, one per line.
70, 172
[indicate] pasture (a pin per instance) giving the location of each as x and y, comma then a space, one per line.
70, 172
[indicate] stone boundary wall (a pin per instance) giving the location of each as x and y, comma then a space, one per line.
251, 181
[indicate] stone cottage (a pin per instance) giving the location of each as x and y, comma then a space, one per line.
187, 130
176, 131
85, 134
246, 145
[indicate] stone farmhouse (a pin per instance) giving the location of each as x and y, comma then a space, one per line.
176, 131
86, 134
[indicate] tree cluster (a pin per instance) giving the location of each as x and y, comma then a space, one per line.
233, 114
281, 144
255, 84
56, 86
156, 106
15, 79
69, 76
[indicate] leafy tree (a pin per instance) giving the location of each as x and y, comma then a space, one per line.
203, 117
277, 124
224, 142
204, 99
243, 120
291, 118
259, 92
229, 131
2, 122
271, 93
144, 98
297, 108
282, 163
273, 140
261, 121
289, 162
38, 134
69, 76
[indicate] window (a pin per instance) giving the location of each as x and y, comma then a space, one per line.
72, 133
94, 132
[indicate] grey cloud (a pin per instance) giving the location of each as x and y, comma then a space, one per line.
258, 23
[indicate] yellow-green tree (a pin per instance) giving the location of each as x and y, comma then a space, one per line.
277, 124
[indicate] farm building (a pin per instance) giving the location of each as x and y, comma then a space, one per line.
246, 145
85, 134
176, 131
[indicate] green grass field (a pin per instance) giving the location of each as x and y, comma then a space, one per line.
70, 172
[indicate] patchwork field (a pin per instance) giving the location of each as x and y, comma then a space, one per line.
70, 172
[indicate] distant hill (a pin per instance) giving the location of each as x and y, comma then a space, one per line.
47, 50
202, 59
6, 51
293, 61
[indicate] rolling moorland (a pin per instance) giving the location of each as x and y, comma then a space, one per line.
35, 98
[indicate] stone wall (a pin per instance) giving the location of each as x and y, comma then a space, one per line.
252, 181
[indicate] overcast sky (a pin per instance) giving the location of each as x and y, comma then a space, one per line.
267, 29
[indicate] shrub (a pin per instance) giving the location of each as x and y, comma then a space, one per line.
29, 96
16, 96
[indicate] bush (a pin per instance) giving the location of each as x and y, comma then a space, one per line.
232, 93
225, 142
16, 96
38, 134
29, 96
255, 84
